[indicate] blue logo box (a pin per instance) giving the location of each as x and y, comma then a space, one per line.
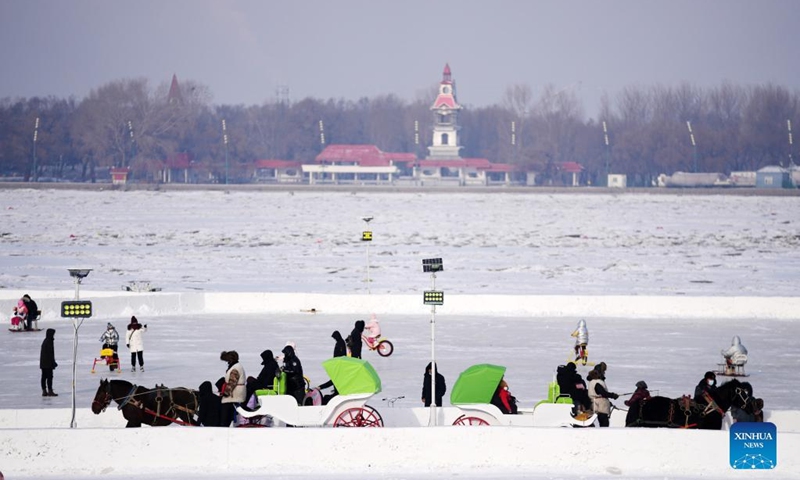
754, 446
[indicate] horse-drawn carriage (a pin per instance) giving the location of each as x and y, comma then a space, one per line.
476, 386
355, 380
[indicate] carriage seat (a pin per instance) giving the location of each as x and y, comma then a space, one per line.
554, 395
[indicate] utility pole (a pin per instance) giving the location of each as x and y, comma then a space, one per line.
35, 176
694, 145
225, 141
608, 151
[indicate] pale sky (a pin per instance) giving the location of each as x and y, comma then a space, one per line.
243, 50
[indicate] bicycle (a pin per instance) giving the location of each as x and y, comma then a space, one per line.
382, 345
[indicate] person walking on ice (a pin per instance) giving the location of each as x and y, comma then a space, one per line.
581, 335
135, 342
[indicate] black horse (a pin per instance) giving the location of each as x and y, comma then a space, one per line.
156, 407
685, 413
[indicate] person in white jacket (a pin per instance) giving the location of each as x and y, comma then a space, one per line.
735, 355
135, 342
234, 390
581, 335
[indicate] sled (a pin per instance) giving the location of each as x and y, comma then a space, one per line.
23, 330
725, 370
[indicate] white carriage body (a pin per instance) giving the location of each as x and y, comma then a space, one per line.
285, 409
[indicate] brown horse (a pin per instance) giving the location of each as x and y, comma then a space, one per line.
686, 413
156, 407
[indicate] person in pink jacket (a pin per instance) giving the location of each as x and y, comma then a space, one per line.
372, 330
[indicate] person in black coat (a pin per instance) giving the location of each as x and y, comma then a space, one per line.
33, 311
571, 383
340, 349
295, 383
355, 339
270, 370
441, 388
210, 406
47, 362
707, 385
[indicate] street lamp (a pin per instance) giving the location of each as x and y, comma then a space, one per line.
433, 297
225, 141
608, 150
133, 145
366, 237
694, 145
76, 309
789, 127
35, 137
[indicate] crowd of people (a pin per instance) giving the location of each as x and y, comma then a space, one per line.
285, 372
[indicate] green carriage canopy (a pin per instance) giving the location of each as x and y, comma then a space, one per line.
477, 384
352, 375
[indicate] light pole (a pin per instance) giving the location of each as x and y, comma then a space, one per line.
433, 297
789, 127
225, 141
35, 138
133, 146
76, 309
694, 145
366, 237
608, 150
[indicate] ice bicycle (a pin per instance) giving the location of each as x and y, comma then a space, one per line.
355, 380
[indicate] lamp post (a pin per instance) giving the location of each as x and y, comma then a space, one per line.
35, 177
694, 145
789, 127
433, 297
75, 310
366, 237
133, 147
225, 141
608, 150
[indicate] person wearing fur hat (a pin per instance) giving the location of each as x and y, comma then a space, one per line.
600, 395
110, 339
135, 342
234, 390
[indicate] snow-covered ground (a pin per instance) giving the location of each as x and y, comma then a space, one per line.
664, 282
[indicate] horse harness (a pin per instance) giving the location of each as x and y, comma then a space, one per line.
688, 407
130, 399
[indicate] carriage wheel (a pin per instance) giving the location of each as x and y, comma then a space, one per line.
385, 348
365, 416
467, 421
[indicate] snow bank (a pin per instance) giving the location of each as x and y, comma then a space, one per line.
123, 304
422, 451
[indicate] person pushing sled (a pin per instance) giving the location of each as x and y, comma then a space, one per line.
581, 335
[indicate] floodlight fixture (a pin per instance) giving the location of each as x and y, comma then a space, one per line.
432, 265
79, 273
366, 236
76, 309
433, 297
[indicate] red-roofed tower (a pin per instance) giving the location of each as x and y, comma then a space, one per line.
445, 121
174, 95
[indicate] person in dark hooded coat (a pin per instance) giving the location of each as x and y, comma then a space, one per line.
441, 388
269, 371
210, 406
355, 339
340, 349
571, 383
33, 311
295, 383
47, 362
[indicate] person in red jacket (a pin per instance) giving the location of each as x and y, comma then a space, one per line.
503, 399
641, 393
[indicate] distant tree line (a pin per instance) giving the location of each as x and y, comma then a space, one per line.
129, 123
